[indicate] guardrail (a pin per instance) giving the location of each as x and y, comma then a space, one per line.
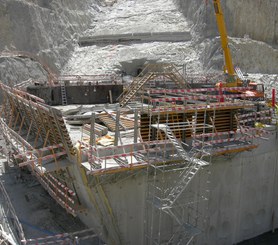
11, 221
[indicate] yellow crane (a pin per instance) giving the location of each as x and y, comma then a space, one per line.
232, 80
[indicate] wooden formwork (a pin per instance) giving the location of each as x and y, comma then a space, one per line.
43, 122
221, 120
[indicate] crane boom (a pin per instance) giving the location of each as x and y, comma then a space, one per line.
224, 37
234, 79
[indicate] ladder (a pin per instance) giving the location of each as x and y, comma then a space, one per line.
64, 93
132, 90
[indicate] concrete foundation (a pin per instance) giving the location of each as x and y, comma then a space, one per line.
242, 200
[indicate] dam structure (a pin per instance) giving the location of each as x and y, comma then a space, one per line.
153, 161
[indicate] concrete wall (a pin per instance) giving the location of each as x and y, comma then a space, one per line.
243, 198
242, 201
94, 94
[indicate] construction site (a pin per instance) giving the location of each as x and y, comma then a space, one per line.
135, 137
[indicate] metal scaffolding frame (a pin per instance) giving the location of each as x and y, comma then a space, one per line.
175, 136
10, 227
163, 195
38, 139
208, 137
151, 72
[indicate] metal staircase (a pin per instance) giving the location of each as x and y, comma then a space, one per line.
133, 89
193, 165
176, 77
64, 93
185, 177
174, 199
186, 231
150, 72
167, 130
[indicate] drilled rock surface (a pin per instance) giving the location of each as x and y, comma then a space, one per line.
139, 16
47, 28
50, 29
256, 18
14, 70
251, 55
253, 23
135, 17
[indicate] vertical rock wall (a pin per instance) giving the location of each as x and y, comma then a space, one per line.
253, 22
43, 27
256, 18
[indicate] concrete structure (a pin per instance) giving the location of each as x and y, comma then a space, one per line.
192, 168
91, 94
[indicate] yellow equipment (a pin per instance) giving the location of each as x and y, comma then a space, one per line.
232, 79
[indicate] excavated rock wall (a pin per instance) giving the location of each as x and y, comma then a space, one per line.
253, 22
256, 18
13, 68
50, 29
47, 28
251, 56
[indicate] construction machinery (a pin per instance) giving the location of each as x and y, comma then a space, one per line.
234, 76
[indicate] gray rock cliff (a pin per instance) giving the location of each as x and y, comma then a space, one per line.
47, 28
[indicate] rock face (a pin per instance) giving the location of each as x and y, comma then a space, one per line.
50, 29
251, 56
135, 17
18, 69
44, 27
254, 23
256, 18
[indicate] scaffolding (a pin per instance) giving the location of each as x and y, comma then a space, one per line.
37, 138
197, 125
206, 134
172, 136
180, 130
168, 199
152, 73
10, 228
73, 238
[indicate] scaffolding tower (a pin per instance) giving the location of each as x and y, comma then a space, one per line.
169, 199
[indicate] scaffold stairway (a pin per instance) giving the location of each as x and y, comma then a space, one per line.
185, 178
132, 90
193, 166
178, 79
64, 94
187, 231
140, 157
174, 141
121, 161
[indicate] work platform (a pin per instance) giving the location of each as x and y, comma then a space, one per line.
194, 117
